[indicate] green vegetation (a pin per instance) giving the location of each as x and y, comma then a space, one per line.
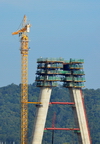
10, 114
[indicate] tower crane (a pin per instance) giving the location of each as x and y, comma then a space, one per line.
53, 125
23, 33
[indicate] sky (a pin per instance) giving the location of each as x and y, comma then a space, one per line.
60, 28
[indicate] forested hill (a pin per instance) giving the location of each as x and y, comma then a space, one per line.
10, 114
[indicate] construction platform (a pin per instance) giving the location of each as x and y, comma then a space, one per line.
51, 70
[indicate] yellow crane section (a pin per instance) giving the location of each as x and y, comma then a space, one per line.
25, 29
23, 33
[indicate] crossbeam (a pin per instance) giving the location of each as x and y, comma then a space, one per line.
63, 103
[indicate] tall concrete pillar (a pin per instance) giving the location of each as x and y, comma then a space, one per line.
41, 115
79, 104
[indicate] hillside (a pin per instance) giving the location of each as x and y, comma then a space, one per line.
10, 114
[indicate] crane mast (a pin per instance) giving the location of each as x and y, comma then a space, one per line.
24, 89
23, 33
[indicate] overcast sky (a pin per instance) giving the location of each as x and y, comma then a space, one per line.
60, 28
